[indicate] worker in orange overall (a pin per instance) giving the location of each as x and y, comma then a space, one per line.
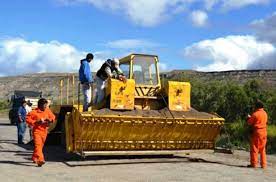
258, 121
39, 119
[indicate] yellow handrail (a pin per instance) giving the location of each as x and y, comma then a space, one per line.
68, 85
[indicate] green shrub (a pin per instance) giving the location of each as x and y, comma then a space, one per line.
4, 105
234, 101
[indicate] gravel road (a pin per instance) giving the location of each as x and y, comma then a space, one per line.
15, 165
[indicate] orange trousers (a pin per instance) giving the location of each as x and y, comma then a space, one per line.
39, 140
258, 144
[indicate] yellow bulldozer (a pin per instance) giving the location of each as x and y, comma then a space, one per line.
139, 116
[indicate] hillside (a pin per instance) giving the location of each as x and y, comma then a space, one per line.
239, 76
49, 83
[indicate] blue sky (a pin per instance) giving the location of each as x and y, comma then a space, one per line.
51, 35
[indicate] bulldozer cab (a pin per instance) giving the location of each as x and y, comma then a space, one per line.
144, 70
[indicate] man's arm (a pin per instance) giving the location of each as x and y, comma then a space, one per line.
19, 115
51, 116
121, 75
119, 71
251, 119
109, 73
87, 72
31, 119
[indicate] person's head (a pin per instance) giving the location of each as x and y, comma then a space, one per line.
89, 57
259, 104
24, 103
42, 104
115, 62
29, 103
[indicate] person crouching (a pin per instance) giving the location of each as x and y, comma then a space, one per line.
39, 119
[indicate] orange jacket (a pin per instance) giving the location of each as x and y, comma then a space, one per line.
37, 115
258, 119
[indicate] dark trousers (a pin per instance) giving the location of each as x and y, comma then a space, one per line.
21, 128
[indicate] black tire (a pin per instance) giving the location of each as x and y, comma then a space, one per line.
12, 117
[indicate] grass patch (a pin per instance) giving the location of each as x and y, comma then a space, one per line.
237, 136
271, 131
271, 139
4, 113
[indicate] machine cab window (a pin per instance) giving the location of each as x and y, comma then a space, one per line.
125, 67
145, 70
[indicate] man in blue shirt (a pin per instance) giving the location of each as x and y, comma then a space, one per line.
21, 123
85, 77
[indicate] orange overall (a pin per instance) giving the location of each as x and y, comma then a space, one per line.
39, 130
258, 121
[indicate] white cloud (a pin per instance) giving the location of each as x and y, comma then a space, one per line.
266, 28
141, 12
209, 4
18, 56
237, 4
229, 53
131, 44
199, 18
150, 13
265, 62
265, 31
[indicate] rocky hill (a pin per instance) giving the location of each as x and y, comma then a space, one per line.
49, 83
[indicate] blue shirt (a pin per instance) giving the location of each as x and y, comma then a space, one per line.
85, 75
22, 113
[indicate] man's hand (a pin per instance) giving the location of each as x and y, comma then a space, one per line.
40, 121
122, 78
47, 122
43, 121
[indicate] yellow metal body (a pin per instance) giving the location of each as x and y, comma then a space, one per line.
91, 132
179, 94
121, 94
138, 119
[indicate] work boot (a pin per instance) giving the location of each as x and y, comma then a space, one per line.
40, 163
251, 166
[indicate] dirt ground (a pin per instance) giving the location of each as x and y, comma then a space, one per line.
15, 165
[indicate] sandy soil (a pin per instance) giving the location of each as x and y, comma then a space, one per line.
15, 165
